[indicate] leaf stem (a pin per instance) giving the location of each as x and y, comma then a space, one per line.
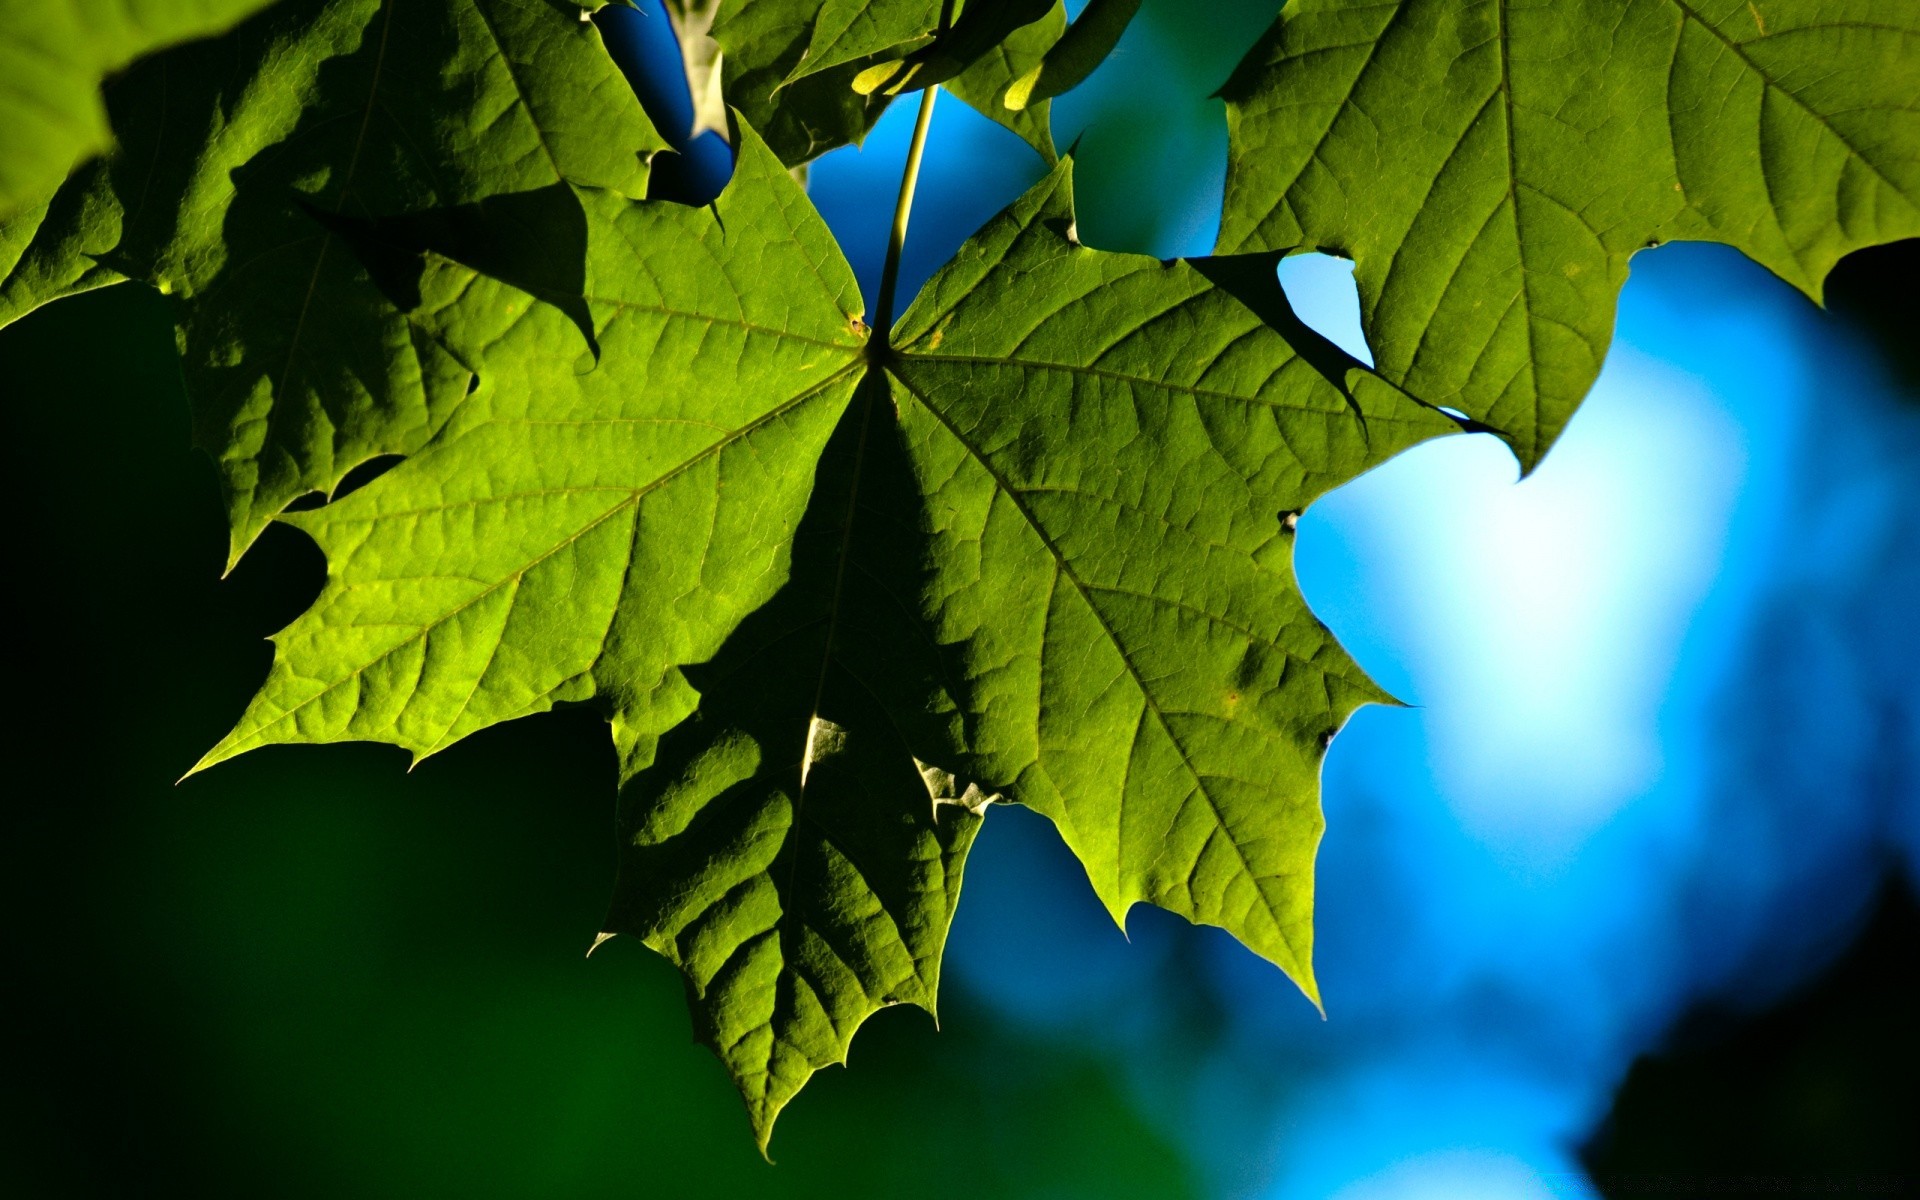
902, 209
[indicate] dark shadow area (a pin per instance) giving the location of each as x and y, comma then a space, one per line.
535, 241
1254, 280
844, 642
287, 334
848, 627
1818, 1095
1878, 291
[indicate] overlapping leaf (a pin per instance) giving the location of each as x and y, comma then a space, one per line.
1048, 551
53, 56
1075, 54
583, 523
834, 591
790, 65
1490, 165
237, 153
762, 44
978, 28
984, 84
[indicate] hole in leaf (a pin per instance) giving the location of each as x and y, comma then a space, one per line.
277, 579
1321, 289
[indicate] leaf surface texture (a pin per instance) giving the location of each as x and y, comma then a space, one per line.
1491, 165
54, 55
838, 591
239, 155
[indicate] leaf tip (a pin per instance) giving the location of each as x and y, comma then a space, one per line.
762, 1118
221, 752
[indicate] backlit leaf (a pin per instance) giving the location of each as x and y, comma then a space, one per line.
235, 153
839, 590
53, 56
1491, 165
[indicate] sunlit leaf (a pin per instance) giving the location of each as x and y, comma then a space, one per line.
53, 56
838, 590
236, 151
1490, 166
1075, 54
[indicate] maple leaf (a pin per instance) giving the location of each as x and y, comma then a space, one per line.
838, 590
1047, 553
1490, 166
235, 157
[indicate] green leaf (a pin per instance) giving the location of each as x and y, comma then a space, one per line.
53, 56
237, 152
1076, 54
981, 26
54, 247
583, 524
849, 31
790, 66
835, 593
1112, 449
788, 849
801, 118
1044, 545
984, 84
1491, 166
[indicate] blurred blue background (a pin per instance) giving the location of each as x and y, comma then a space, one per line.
1625, 897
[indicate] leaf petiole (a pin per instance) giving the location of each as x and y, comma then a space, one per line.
902, 210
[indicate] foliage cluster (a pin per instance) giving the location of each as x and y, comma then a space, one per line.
840, 581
